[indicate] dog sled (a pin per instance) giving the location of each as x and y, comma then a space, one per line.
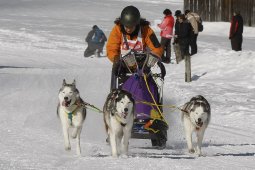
142, 75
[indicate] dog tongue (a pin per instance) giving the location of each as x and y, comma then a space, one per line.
65, 103
125, 115
200, 124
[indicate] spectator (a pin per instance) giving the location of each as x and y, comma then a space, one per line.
177, 23
96, 40
166, 34
183, 35
236, 31
193, 18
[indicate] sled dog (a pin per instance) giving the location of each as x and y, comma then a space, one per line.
71, 112
118, 118
196, 116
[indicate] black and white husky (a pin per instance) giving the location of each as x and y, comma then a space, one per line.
71, 112
196, 116
118, 118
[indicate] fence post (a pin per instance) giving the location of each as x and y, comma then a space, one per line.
187, 68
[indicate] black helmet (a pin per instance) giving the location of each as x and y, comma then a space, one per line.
130, 16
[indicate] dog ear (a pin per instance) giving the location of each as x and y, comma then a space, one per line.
77, 93
64, 82
191, 106
74, 83
115, 92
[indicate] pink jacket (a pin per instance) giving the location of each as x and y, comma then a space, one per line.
167, 27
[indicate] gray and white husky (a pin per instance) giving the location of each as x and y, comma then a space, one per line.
71, 112
196, 116
119, 118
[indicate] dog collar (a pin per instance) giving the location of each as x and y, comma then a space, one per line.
118, 118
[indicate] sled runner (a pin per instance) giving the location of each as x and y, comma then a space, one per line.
142, 75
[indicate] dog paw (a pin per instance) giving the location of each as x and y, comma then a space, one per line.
191, 151
68, 148
78, 153
115, 155
123, 156
199, 153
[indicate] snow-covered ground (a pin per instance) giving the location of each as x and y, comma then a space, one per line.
42, 42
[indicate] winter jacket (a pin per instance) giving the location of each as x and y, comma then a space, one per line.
193, 18
183, 36
236, 27
177, 27
115, 40
99, 36
167, 27
90, 36
184, 30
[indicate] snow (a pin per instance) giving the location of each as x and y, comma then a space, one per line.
42, 42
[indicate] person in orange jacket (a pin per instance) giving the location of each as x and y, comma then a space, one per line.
131, 32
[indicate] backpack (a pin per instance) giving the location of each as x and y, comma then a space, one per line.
199, 23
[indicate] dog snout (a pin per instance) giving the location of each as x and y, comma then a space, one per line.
65, 98
199, 119
126, 109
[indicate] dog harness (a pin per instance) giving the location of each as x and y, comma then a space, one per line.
71, 114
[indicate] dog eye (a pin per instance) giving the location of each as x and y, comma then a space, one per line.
63, 92
70, 92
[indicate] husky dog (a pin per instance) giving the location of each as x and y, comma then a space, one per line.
71, 112
196, 116
118, 118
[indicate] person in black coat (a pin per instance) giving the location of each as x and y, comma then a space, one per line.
177, 23
236, 31
182, 32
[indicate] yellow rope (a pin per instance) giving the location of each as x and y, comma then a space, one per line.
167, 106
148, 88
152, 104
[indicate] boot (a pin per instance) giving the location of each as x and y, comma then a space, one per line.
165, 60
97, 53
